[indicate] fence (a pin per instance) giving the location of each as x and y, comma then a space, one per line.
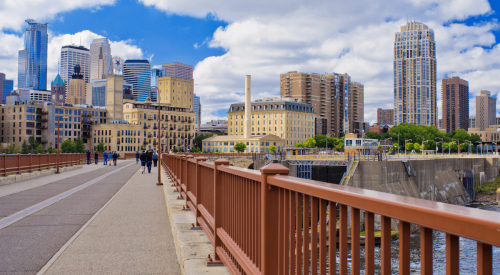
17, 164
227, 154
268, 223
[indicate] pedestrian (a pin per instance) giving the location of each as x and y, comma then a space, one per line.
110, 157
105, 155
144, 160
150, 160
155, 158
137, 157
96, 157
115, 157
88, 157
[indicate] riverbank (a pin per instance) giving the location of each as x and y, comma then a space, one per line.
487, 191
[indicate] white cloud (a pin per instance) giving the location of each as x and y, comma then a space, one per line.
265, 39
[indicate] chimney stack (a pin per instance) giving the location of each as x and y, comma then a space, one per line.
247, 133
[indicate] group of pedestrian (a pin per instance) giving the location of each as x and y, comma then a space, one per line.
109, 158
147, 159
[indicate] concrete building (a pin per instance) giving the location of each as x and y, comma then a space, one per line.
361, 128
353, 145
497, 121
214, 126
492, 133
101, 60
440, 124
336, 100
138, 73
70, 57
77, 91
415, 75
178, 70
485, 110
32, 60
197, 111
178, 92
37, 96
385, 116
472, 122
58, 90
379, 129
455, 104
6, 87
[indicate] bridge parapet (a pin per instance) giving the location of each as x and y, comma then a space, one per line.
259, 222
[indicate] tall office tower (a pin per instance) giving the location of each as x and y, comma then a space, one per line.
197, 111
331, 96
138, 73
472, 122
101, 61
6, 87
76, 94
155, 74
70, 57
178, 70
415, 75
357, 103
455, 99
114, 97
486, 108
32, 65
385, 116
58, 90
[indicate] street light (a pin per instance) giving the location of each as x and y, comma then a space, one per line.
442, 145
468, 150
458, 142
149, 102
58, 124
405, 144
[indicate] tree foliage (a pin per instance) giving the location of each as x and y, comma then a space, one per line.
310, 143
100, 147
198, 141
68, 146
373, 135
299, 145
272, 149
39, 149
79, 146
51, 149
240, 147
25, 148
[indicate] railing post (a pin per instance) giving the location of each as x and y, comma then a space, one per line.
40, 162
30, 162
198, 189
218, 197
4, 165
18, 163
269, 219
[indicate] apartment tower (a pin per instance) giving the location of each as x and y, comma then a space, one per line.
485, 110
70, 57
415, 75
455, 100
385, 116
178, 70
32, 64
101, 61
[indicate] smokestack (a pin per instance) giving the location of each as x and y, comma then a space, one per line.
247, 133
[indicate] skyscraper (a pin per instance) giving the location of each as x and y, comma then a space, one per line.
415, 75
385, 116
76, 93
70, 57
486, 108
101, 61
178, 70
138, 73
197, 111
32, 64
155, 74
455, 108
6, 87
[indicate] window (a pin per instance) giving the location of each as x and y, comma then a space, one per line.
30, 117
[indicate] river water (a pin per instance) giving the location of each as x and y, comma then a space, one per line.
467, 252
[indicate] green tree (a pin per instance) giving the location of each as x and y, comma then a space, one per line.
272, 149
68, 146
25, 148
454, 146
373, 135
310, 143
12, 148
409, 146
299, 145
417, 147
240, 147
39, 149
100, 147
79, 146
446, 147
33, 143
199, 139
51, 149
320, 140
333, 142
461, 135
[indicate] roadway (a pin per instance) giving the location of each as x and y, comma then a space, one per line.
39, 218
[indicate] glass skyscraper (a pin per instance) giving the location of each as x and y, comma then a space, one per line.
32, 64
197, 111
70, 57
101, 61
138, 73
415, 75
155, 74
6, 87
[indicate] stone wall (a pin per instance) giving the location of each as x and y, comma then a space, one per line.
241, 162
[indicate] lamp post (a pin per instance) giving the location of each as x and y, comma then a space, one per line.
149, 102
458, 143
468, 148
58, 143
405, 144
442, 145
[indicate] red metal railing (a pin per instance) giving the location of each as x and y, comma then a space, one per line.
17, 164
228, 154
268, 223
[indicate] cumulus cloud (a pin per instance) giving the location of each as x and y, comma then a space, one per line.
265, 39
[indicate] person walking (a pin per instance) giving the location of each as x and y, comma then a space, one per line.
155, 158
150, 160
88, 157
96, 157
144, 159
105, 155
137, 157
110, 157
115, 157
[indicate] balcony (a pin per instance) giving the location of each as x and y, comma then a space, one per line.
86, 115
41, 127
87, 122
85, 135
187, 129
118, 142
146, 126
150, 135
40, 112
150, 118
44, 142
41, 119
172, 128
144, 142
155, 127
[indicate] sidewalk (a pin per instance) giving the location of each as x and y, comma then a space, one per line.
131, 235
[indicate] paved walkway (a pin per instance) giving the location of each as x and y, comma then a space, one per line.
131, 235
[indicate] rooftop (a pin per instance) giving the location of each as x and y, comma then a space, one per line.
136, 61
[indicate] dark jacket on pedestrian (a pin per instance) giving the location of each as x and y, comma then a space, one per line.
137, 154
96, 155
144, 157
115, 155
105, 155
88, 154
150, 156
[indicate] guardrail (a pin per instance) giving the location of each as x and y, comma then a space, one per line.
384, 157
269, 223
227, 154
16, 164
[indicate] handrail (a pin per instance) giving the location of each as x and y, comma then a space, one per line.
262, 222
18, 163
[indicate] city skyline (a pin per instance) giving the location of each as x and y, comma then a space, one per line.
213, 52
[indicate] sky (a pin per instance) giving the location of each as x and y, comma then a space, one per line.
226, 40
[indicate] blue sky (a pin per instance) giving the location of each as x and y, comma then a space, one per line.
267, 38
